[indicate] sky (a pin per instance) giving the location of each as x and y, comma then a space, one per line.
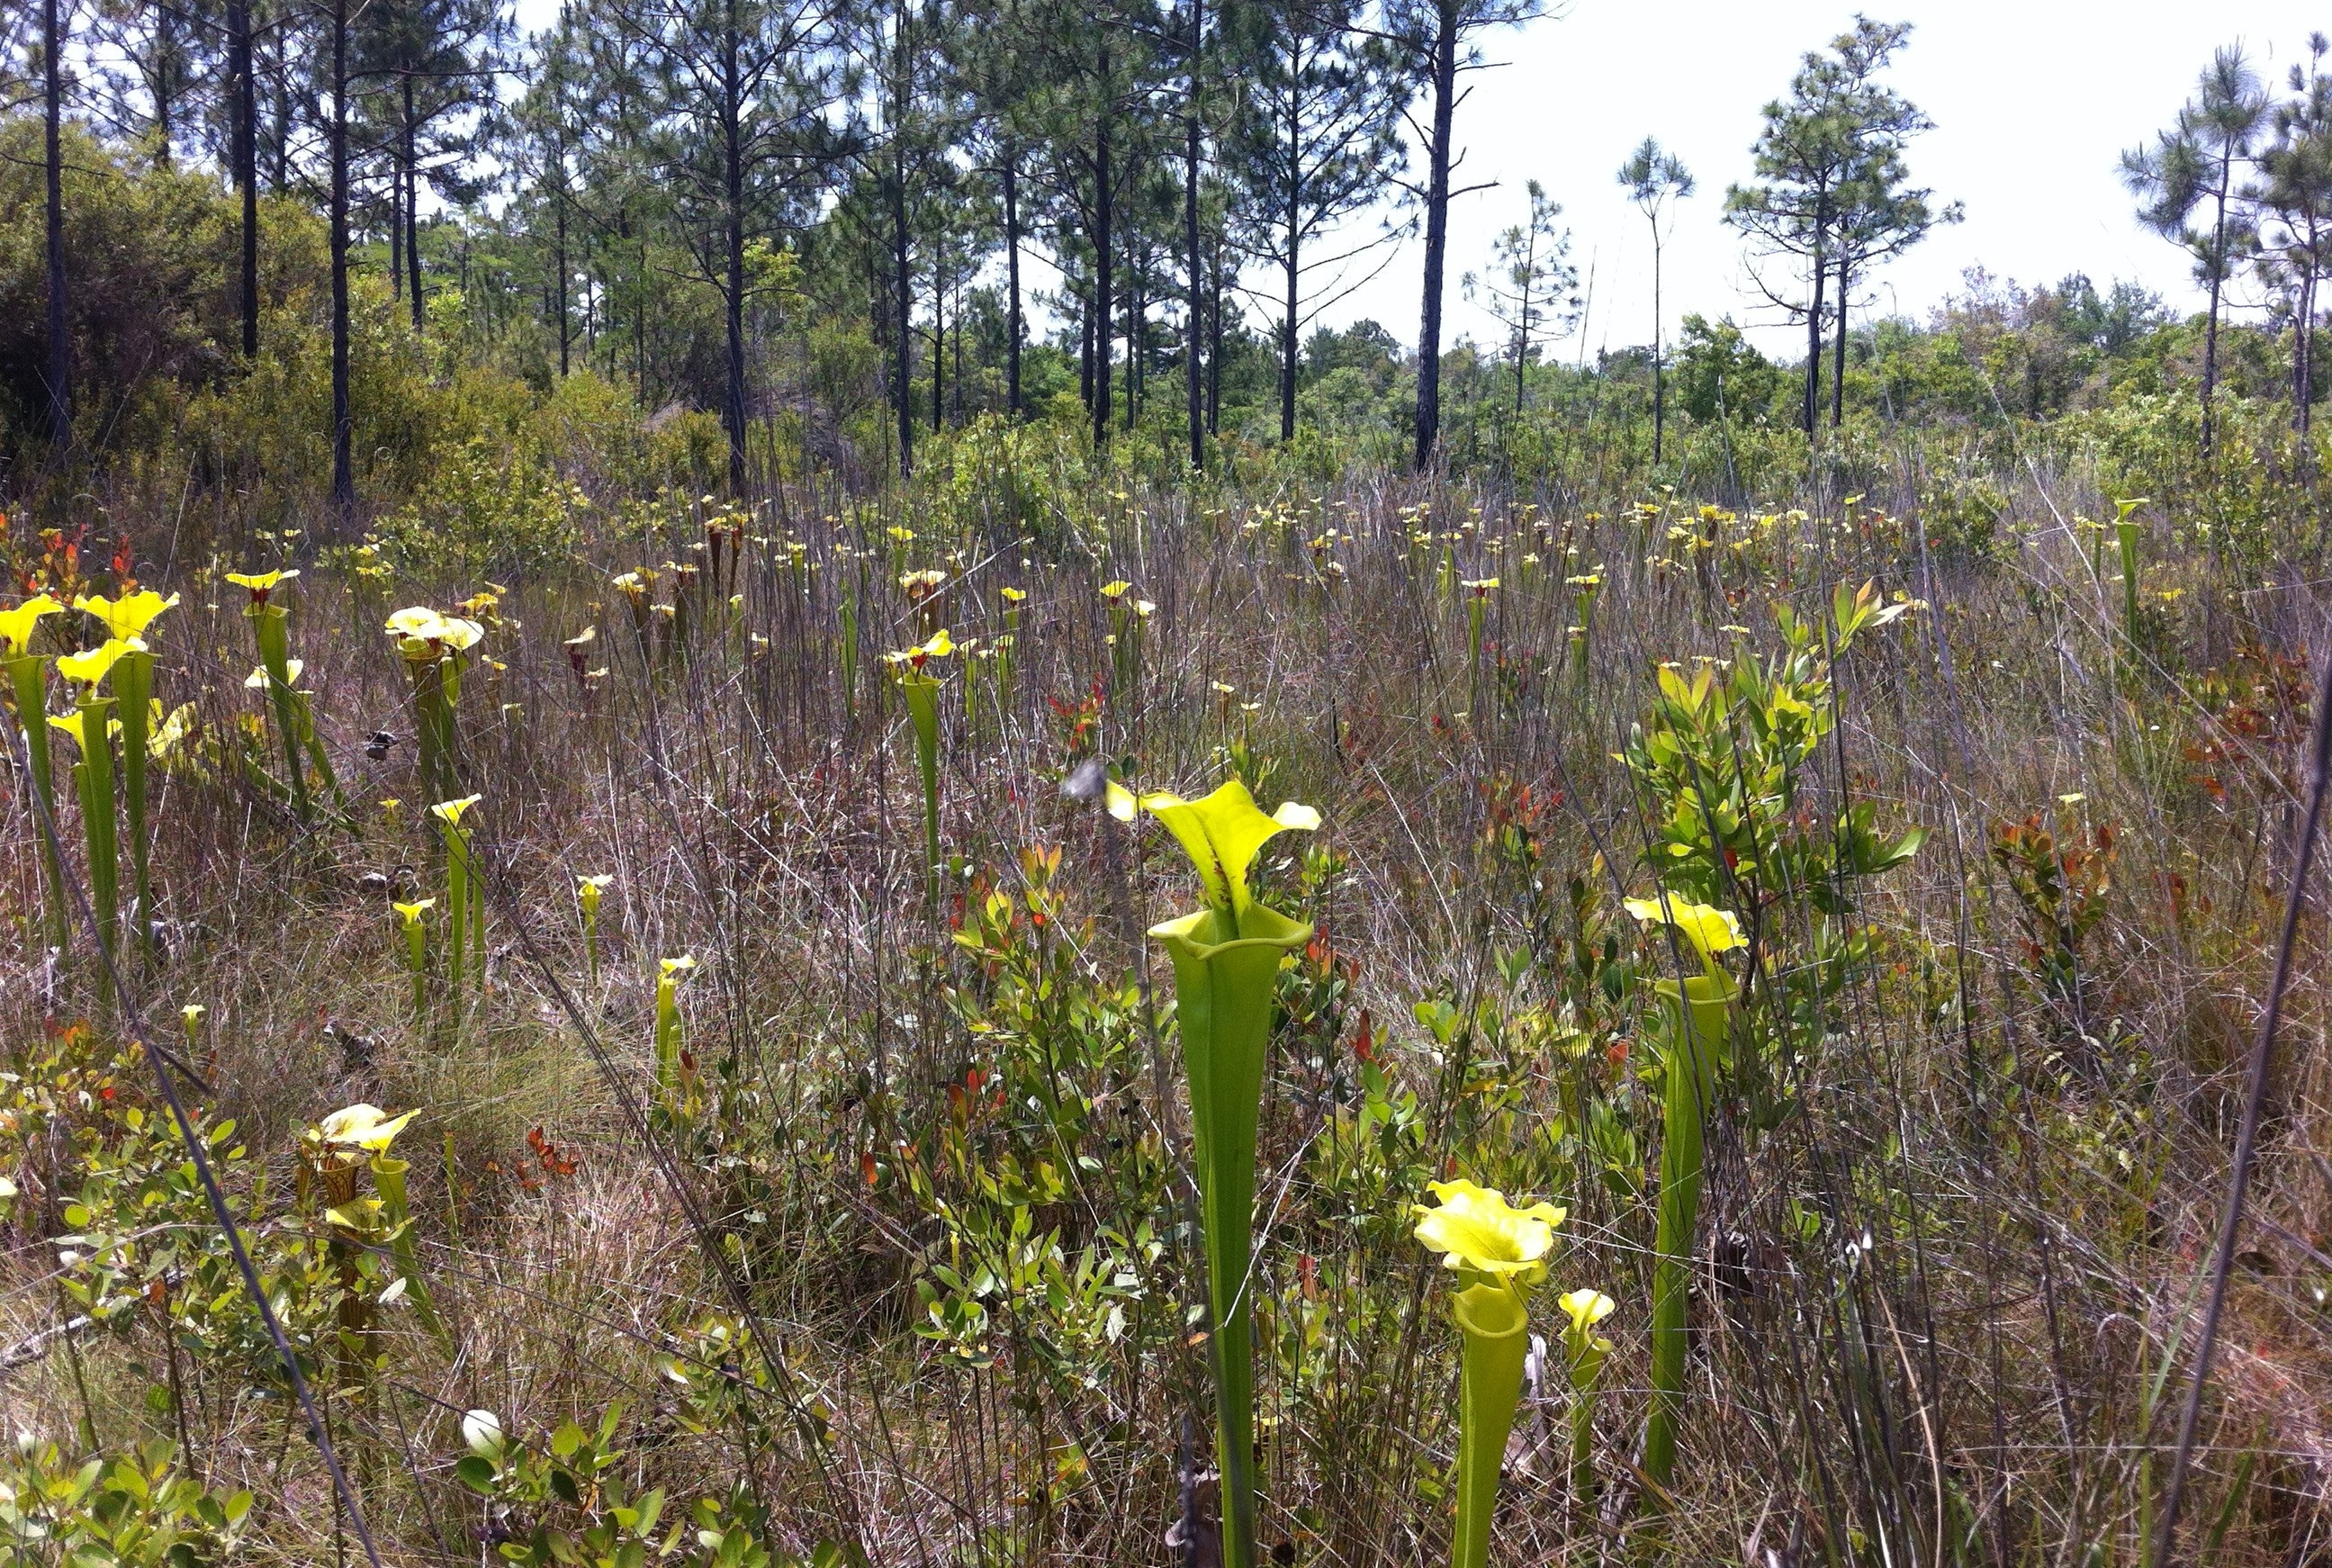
2033, 102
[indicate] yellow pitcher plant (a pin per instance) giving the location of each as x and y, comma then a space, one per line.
28, 684
671, 973
1584, 1352
1499, 1253
588, 891
920, 688
367, 1232
465, 893
93, 728
416, 949
1227, 955
1697, 1008
294, 724
434, 648
127, 619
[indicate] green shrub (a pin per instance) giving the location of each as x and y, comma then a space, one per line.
490, 510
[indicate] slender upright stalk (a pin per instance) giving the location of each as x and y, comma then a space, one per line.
2125, 536
417, 951
94, 775
28, 680
133, 684
268, 628
588, 890
1224, 971
1585, 1350
465, 898
922, 693
1697, 1011
848, 618
1497, 1326
457, 905
671, 973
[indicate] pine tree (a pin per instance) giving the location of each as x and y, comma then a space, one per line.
2195, 162
1528, 287
742, 142
2294, 200
430, 67
158, 55
1318, 137
1653, 178
1440, 41
1832, 195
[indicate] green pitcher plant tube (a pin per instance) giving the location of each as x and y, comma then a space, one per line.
415, 936
920, 688
671, 973
434, 647
1013, 598
466, 901
1226, 956
1584, 1352
588, 890
126, 618
92, 728
1698, 1011
276, 675
1478, 590
28, 685
2126, 535
1499, 1253
1583, 587
1128, 620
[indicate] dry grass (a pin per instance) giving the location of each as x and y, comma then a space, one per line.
1939, 1286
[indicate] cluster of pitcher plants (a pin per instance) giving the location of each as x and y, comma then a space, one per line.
1717, 761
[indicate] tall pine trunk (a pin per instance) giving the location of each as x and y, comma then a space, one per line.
2218, 274
1295, 270
558, 259
733, 171
1838, 350
1193, 414
244, 152
1437, 234
279, 150
2303, 352
412, 214
165, 100
1812, 410
1215, 339
1101, 300
1012, 325
60, 340
1287, 347
344, 476
397, 227
1659, 384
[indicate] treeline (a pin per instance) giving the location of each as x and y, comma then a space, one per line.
840, 222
